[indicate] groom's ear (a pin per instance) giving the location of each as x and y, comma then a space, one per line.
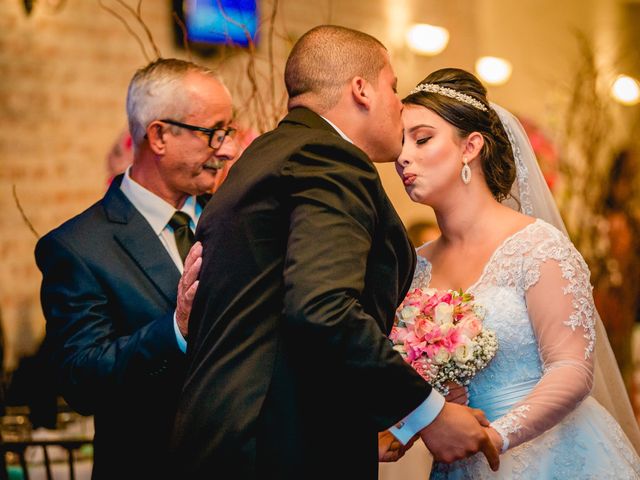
473, 145
361, 92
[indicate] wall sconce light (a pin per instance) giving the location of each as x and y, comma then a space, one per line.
625, 90
493, 70
427, 39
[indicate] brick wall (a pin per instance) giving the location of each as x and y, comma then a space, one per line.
63, 75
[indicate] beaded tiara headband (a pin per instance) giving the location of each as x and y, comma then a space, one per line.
449, 92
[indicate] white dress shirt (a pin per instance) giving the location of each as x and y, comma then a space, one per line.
158, 212
428, 410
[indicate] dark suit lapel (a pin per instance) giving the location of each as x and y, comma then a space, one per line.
136, 237
394, 232
203, 199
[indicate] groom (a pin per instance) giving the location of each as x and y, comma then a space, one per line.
290, 372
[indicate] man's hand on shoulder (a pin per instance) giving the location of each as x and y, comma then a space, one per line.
458, 432
187, 287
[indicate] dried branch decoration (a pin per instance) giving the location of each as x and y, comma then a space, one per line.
22, 213
588, 149
256, 92
137, 15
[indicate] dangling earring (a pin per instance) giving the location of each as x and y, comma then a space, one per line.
465, 174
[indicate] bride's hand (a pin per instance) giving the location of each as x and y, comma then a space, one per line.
457, 394
390, 449
495, 438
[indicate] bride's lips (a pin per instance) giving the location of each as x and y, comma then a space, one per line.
408, 179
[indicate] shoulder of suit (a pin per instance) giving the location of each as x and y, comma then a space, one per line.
330, 145
82, 226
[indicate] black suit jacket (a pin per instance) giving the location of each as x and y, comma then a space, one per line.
108, 294
290, 371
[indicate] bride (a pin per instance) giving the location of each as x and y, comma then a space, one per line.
503, 240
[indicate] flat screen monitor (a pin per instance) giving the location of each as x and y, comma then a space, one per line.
216, 22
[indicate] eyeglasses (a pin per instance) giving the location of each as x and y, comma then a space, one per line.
216, 135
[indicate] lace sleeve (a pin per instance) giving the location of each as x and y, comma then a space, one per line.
561, 309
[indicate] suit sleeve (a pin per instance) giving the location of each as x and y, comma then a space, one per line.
332, 224
91, 362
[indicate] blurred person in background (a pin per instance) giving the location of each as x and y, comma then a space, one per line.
617, 294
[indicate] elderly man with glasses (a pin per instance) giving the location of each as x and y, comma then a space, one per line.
116, 306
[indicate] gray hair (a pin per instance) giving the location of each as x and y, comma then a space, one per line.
156, 91
327, 57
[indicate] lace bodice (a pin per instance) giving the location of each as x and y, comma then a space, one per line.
537, 295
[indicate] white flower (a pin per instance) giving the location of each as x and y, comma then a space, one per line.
400, 349
444, 313
408, 314
480, 311
464, 352
443, 356
445, 327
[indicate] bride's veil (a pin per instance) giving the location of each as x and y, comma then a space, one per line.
531, 195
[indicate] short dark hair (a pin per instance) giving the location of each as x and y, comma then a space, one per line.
327, 57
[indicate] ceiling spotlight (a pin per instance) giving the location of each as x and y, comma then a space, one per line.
427, 39
493, 70
625, 90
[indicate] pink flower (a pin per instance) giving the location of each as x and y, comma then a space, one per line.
430, 304
425, 328
398, 334
470, 326
414, 347
452, 339
446, 297
436, 333
413, 298
423, 368
432, 350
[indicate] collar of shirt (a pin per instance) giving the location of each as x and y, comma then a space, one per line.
154, 209
340, 132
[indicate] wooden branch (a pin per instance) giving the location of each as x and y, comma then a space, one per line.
255, 98
272, 82
185, 37
137, 14
24, 215
129, 29
244, 28
588, 153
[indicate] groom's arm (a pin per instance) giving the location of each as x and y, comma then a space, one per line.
333, 193
420, 418
450, 431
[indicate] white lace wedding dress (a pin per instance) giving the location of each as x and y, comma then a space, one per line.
535, 391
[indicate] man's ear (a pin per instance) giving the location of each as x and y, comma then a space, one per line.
361, 92
155, 137
473, 146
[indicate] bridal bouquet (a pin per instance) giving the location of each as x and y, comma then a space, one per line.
440, 334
